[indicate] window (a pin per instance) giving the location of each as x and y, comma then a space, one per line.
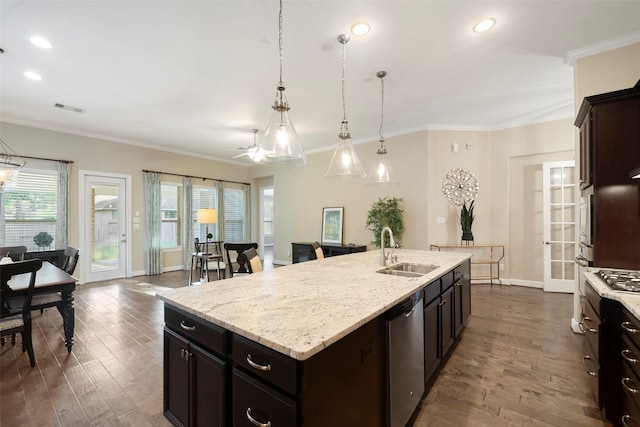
170, 235
204, 197
30, 209
234, 206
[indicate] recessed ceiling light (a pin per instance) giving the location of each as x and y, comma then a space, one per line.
484, 25
32, 75
40, 42
360, 29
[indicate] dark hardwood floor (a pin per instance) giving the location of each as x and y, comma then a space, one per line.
518, 363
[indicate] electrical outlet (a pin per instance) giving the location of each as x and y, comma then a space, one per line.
501, 267
289, 254
439, 220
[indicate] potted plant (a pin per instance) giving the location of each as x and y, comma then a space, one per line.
43, 240
466, 221
386, 212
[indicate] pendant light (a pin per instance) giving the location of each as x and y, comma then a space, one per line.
381, 172
280, 143
9, 167
344, 163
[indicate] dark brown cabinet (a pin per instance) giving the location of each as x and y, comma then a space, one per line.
195, 380
447, 309
303, 251
609, 150
197, 392
592, 327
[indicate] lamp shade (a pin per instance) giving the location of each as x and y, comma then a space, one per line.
207, 216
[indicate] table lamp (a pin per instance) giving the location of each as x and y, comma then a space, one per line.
207, 216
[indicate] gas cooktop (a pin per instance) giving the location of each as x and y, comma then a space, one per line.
621, 280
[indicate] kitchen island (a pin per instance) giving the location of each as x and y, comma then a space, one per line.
307, 341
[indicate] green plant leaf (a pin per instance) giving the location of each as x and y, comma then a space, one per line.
386, 212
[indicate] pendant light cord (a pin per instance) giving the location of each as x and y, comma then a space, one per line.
344, 107
381, 107
280, 41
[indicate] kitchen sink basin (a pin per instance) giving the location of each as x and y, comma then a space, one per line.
408, 269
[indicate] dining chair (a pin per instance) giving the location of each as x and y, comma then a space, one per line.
16, 253
40, 302
13, 320
71, 256
255, 265
236, 260
318, 250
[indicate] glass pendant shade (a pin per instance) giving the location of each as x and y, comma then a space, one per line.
9, 168
8, 175
280, 145
381, 172
345, 163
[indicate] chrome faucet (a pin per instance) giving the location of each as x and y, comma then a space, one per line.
383, 256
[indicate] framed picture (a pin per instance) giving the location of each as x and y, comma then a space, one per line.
332, 225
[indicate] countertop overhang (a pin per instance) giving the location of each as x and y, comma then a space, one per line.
300, 309
630, 300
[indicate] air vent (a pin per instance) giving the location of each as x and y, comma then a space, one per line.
69, 108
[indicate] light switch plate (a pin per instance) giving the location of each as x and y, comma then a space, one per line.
439, 220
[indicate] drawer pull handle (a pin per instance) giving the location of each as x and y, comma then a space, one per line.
253, 364
584, 363
187, 327
256, 422
624, 420
628, 326
632, 360
581, 324
628, 388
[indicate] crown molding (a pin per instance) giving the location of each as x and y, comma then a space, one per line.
573, 55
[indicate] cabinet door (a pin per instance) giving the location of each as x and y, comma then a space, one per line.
176, 378
209, 379
586, 144
432, 353
448, 329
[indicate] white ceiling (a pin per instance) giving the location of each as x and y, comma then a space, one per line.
197, 76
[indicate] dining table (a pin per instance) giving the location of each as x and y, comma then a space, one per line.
50, 279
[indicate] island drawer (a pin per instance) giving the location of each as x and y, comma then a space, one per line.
256, 404
630, 388
591, 327
208, 335
447, 280
265, 363
593, 297
630, 326
432, 291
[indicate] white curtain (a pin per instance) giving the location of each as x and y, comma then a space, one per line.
62, 221
153, 222
246, 189
187, 221
220, 195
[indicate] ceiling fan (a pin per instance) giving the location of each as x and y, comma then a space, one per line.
255, 153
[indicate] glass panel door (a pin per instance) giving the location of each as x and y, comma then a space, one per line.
559, 206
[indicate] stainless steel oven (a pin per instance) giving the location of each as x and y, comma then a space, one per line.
586, 220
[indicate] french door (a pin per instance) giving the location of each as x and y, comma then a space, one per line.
104, 214
559, 225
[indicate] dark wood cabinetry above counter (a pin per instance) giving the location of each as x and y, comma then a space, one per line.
609, 150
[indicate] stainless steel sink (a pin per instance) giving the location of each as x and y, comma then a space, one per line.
406, 269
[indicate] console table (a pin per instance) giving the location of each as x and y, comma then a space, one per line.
486, 259
303, 251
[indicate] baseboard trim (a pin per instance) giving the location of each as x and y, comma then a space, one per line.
527, 283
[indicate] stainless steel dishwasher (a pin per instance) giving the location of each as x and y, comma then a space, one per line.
405, 338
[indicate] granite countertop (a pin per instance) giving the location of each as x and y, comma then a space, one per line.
300, 309
628, 299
